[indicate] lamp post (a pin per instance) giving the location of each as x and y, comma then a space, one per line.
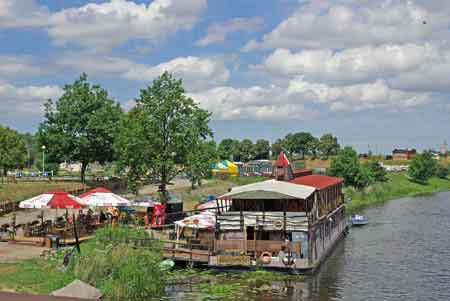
43, 159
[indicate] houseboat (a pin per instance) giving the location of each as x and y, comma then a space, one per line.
290, 223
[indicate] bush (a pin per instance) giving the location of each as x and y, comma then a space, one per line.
118, 268
377, 171
442, 171
422, 167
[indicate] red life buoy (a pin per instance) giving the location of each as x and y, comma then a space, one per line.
266, 257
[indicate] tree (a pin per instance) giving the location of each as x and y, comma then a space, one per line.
161, 132
277, 147
245, 150
328, 145
346, 165
199, 162
313, 147
442, 171
364, 177
13, 152
262, 149
377, 171
422, 167
81, 125
227, 148
298, 143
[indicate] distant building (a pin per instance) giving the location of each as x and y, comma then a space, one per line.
444, 149
403, 154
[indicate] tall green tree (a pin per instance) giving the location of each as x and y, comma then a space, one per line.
422, 167
262, 149
277, 147
13, 152
245, 150
161, 132
199, 162
346, 165
328, 145
226, 149
81, 125
313, 147
298, 143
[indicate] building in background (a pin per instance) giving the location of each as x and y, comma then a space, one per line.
403, 154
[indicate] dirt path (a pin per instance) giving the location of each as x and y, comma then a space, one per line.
10, 253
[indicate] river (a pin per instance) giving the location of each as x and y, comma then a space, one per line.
403, 254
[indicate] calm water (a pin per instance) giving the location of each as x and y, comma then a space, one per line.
403, 254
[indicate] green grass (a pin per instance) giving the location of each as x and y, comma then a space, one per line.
397, 186
33, 276
23, 190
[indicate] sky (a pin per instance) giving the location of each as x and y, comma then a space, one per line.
374, 73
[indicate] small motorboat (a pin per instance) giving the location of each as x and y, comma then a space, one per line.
359, 220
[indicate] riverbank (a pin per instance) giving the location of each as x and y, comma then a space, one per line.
397, 186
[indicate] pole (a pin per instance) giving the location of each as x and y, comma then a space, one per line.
76, 234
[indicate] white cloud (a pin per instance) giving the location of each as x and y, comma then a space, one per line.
352, 64
255, 103
373, 95
26, 100
217, 32
196, 72
108, 24
340, 25
420, 67
22, 13
11, 66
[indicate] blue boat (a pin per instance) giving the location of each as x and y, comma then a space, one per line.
359, 220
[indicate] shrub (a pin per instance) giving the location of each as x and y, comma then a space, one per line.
422, 167
377, 171
442, 171
118, 268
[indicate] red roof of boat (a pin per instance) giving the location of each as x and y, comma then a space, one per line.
317, 181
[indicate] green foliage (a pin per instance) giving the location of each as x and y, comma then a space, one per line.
364, 177
442, 171
277, 147
397, 185
245, 150
158, 135
328, 145
226, 149
422, 167
262, 149
199, 161
298, 143
121, 271
81, 125
346, 165
13, 152
377, 171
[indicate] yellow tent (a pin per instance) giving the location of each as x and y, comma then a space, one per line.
225, 167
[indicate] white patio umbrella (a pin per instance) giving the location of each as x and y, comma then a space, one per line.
101, 197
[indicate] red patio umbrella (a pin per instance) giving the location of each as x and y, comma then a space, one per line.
56, 199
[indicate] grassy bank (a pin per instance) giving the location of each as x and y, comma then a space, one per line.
23, 190
397, 186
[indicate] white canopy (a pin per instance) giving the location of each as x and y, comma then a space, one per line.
203, 220
105, 199
271, 189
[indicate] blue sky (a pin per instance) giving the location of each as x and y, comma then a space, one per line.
374, 73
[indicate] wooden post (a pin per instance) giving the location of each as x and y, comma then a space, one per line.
191, 263
75, 233
173, 250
